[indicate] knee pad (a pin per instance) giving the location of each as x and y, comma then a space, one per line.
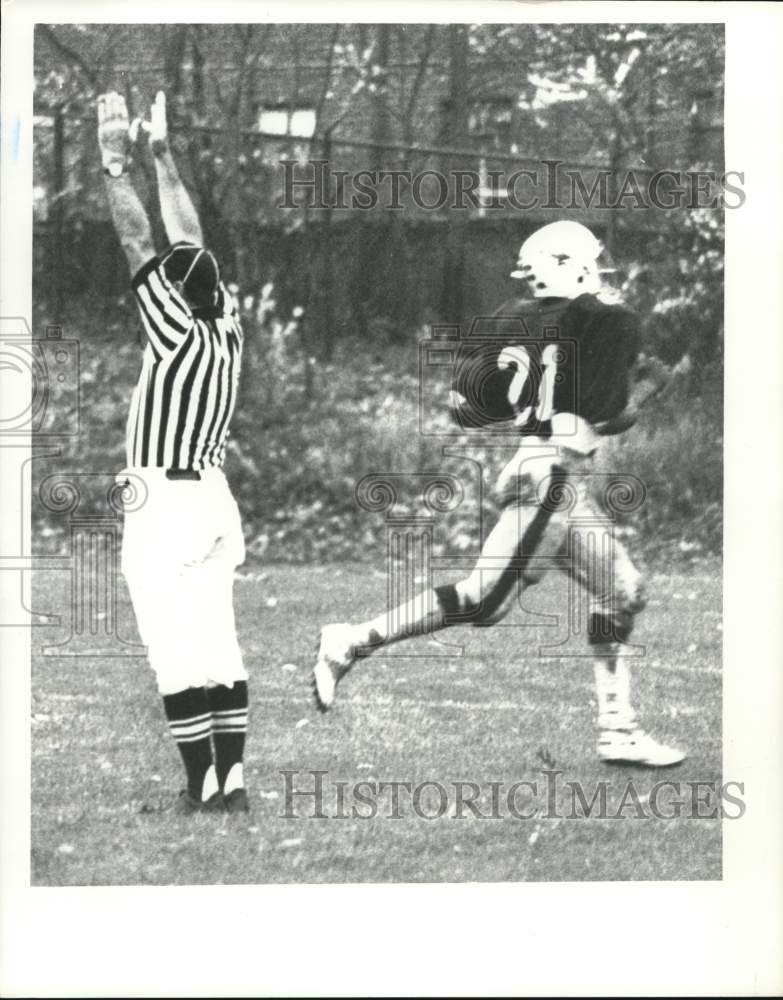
615, 628
448, 600
461, 608
614, 621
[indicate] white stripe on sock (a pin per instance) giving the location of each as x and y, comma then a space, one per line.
201, 734
191, 718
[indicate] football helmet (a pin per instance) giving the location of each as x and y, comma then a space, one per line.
563, 260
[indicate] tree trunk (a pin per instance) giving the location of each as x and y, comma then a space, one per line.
453, 288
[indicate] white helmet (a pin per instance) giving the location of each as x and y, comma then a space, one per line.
560, 260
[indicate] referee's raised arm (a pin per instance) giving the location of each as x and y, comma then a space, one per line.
127, 212
176, 206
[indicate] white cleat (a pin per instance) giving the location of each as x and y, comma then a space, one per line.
634, 746
336, 655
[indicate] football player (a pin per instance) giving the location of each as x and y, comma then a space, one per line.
556, 366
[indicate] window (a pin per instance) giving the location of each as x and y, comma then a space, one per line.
296, 122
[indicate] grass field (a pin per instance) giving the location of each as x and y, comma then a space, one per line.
105, 771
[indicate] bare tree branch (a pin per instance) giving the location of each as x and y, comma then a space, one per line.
71, 55
421, 72
328, 76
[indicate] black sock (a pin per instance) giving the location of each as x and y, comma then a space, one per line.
229, 725
191, 725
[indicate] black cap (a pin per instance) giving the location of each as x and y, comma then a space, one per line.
195, 269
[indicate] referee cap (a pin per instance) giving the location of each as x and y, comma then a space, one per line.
194, 270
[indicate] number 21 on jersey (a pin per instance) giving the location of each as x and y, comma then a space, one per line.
518, 358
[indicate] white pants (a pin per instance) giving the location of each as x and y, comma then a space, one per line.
576, 533
182, 542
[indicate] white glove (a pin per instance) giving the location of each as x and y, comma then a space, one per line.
112, 132
158, 129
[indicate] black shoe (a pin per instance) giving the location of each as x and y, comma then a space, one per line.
236, 801
214, 804
186, 804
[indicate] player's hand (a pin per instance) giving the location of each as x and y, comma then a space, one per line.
158, 127
113, 132
683, 367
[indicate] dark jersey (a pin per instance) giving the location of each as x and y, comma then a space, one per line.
535, 358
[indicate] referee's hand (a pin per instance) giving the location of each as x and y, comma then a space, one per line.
158, 128
112, 132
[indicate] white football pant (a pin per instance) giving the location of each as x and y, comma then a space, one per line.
182, 542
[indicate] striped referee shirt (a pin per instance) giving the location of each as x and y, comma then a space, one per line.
182, 404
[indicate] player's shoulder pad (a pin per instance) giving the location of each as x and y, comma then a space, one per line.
615, 314
524, 308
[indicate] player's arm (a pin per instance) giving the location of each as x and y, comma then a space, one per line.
615, 397
127, 212
651, 379
180, 217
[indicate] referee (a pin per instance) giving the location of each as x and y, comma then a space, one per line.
182, 545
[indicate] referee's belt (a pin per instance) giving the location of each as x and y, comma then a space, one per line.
192, 474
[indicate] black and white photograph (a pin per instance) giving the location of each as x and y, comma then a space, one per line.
365, 517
